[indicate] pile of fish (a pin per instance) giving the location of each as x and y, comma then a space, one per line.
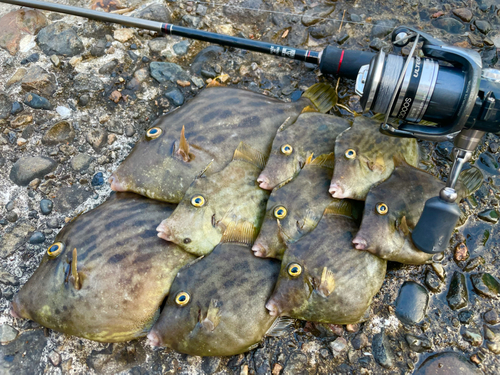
236, 214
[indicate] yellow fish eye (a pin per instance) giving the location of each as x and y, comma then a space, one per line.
198, 201
382, 208
153, 133
294, 269
286, 149
55, 249
350, 154
182, 298
280, 212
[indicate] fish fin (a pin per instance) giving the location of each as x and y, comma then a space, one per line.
403, 226
279, 326
399, 161
240, 232
215, 83
212, 318
183, 150
75, 277
246, 153
322, 95
283, 183
205, 169
309, 108
309, 159
327, 283
378, 164
287, 238
285, 125
324, 160
339, 207
471, 180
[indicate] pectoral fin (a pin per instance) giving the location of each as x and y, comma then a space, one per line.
212, 318
183, 150
327, 283
403, 226
378, 164
75, 277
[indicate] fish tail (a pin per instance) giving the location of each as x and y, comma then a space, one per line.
322, 95
247, 153
471, 180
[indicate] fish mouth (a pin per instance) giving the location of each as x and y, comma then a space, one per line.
165, 232
273, 308
259, 250
337, 191
359, 243
264, 182
116, 185
154, 338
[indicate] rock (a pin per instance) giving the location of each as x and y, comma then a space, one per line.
295, 364
411, 304
475, 40
7, 334
210, 364
68, 198
175, 96
15, 25
464, 14
485, 285
240, 11
83, 100
465, 316
98, 179
123, 35
418, 344
164, 72
17, 108
8, 279
37, 238
489, 215
473, 263
181, 48
16, 77
383, 28
190, 21
84, 82
99, 48
491, 317
489, 56
63, 111
492, 336
155, 12
448, 24
97, 138
338, 346
439, 269
210, 53
21, 120
40, 81
377, 44
62, 132
108, 67
115, 127
116, 358
360, 341
5, 105
201, 10
457, 296
381, 350
129, 130
473, 336
12, 216
158, 44
46, 206
461, 252
53, 223
323, 30
24, 354
432, 282
28, 168
494, 146
54, 358
447, 363
315, 15
59, 38
38, 102
55, 60
483, 26
115, 96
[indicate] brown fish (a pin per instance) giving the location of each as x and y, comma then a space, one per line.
311, 133
365, 157
106, 275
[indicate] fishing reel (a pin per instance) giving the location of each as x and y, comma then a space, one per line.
447, 87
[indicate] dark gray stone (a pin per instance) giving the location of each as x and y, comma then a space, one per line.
38, 102
211, 53
377, 44
37, 238
411, 304
38, 80
483, 26
28, 168
97, 138
84, 82
175, 96
99, 48
53, 223
34, 57
316, 14
129, 130
108, 67
158, 44
245, 10
164, 72
5, 105
295, 364
181, 48
465, 316
62, 132
7, 334
68, 198
12, 216
190, 21
83, 100
46, 206
489, 215
486, 285
383, 28
359, 341
491, 317
210, 364
382, 351
432, 281
448, 24
155, 12
418, 344
115, 127
22, 356
323, 30
17, 107
59, 38
457, 296
447, 363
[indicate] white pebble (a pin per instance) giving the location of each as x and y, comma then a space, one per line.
64, 112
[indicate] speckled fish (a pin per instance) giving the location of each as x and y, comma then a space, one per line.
295, 208
311, 133
323, 279
393, 208
217, 203
217, 304
364, 157
106, 275
206, 130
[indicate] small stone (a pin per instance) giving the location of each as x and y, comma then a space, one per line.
98, 179
85, 82
28, 168
99, 48
336, 329
40, 81
352, 327
21, 141
111, 138
62, 132
7, 334
448, 24
8, 279
381, 350
34, 183
23, 355
37, 238
490, 215
164, 72
457, 296
439, 269
475, 359
59, 38
55, 358
465, 316
360, 341
475, 40
491, 317
473, 263
383, 28
377, 44
183, 83
342, 38
97, 138
16, 77
338, 345
485, 284
411, 304
81, 162
38, 102
55, 60
175, 96
463, 13
494, 146
5, 106
418, 344
181, 48
46, 206
21, 120
123, 35
276, 369
17, 107
115, 96
492, 336
83, 100
315, 15
68, 198
63, 111
432, 282
483, 26
53, 223
473, 336
461, 252
155, 12
191, 21
158, 44
129, 130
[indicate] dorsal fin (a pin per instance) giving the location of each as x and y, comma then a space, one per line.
322, 95
183, 150
279, 327
247, 153
309, 159
75, 277
239, 232
324, 160
339, 207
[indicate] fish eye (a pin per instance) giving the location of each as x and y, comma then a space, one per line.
280, 212
55, 249
286, 149
382, 208
153, 133
350, 154
294, 269
198, 201
182, 298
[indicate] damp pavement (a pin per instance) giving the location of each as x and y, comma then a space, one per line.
75, 95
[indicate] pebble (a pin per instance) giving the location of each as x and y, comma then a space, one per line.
492, 336
38, 102
5, 106
111, 139
40, 81
3, 222
491, 317
68, 198
494, 146
175, 96
191, 21
483, 26
465, 316
97, 138
461, 252
472, 335
155, 12
83, 100
377, 44
489, 215
486, 285
115, 96
59, 38
46, 206
53, 223
63, 111
55, 60
164, 72
129, 130
123, 35
24, 354
21, 120
108, 67
338, 346
37, 238
210, 364
7, 334
418, 344
98, 179
21, 141
473, 263
30, 59
181, 48
383, 28
447, 363
382, 351
210, 53
158, 44
99, 48
457, 296
17, 107
28, 168
360, 341
84, 82
448, 24
411, 304
55, 358
432, 282
62, 132
463, 13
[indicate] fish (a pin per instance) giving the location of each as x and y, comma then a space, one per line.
107, 273
220, 202
296, 206
393, 208
216, 305
312, 133
365, 157
208, 129
324, 279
